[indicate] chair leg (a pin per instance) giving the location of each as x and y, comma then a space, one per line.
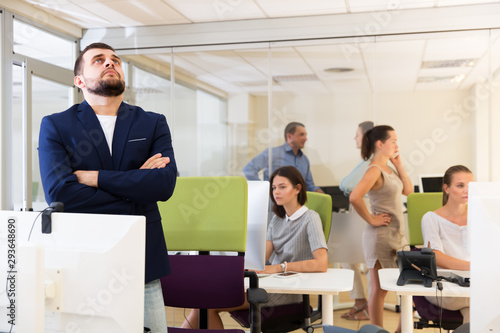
203, 320
307, 310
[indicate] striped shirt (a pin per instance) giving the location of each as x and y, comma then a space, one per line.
296, 237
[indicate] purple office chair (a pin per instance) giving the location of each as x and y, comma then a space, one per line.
208, 214
431, 315
210, 282
283, 318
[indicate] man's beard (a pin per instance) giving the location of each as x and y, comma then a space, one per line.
107, 88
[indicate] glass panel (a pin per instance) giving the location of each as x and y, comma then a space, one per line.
328, 87
150, 92
427, 90
219, 97
48, 97
17, 137
38, 44
185, 131
494, 92
211, 115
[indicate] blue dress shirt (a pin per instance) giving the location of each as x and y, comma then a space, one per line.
282, 156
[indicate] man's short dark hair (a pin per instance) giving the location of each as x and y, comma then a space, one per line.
291, 127
79, 61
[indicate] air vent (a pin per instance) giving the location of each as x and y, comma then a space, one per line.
453, 63
295, 78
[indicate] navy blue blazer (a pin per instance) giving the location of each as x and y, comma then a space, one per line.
74, 140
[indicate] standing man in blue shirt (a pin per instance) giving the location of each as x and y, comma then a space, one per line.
289, 153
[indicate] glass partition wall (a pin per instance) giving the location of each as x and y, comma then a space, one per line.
228, 103
427, 86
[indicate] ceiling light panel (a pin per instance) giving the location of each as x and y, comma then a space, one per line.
212, 11
384, 5
283, 8
72, 13
450, 63
455, 48
136, 13
442, 3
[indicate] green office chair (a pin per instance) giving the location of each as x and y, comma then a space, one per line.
290, 317
208, 214
418, 204
430, 316
322, 204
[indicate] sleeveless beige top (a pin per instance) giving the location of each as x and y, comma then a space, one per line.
381, 243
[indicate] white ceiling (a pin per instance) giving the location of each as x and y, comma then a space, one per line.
125, 13
387, 65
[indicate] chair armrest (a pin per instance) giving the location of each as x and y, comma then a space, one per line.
255, 295
254, 279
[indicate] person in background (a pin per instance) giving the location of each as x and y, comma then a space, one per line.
359, 310
445, 231
289, 153
104, 156
295, 235
384, 234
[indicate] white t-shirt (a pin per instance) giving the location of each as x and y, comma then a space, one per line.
108, 126
445, 236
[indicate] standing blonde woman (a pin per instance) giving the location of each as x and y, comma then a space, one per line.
384, 234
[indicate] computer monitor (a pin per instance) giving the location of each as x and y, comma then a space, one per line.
258, 210
340, 202
85, 276
430, 183
484, 232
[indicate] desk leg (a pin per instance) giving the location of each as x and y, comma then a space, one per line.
327, 309
406, 313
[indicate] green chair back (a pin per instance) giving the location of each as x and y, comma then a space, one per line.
322, 204
418, 204
206, 214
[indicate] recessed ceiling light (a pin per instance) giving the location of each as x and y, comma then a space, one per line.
339, 69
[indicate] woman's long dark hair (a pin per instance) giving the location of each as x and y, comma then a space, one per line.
448, 177
371, 137
293, 175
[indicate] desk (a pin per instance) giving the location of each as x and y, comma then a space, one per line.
327, 284
388, 279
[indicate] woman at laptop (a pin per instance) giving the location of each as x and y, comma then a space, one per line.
384, 234
445, 231
295, 236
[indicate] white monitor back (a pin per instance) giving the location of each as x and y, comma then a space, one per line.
96, 265
258, 210
484, 225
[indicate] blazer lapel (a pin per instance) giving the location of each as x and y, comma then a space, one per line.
123, 123
94, 132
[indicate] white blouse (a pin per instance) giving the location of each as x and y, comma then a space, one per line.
445, 236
